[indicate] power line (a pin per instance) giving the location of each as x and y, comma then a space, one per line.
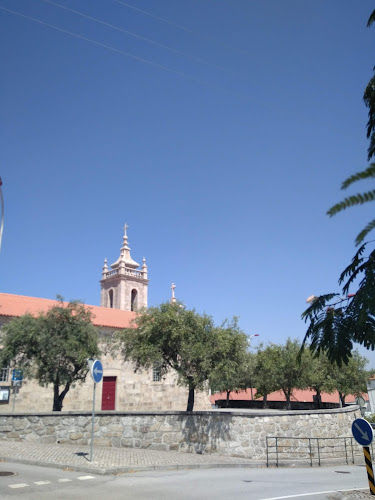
140, 37
180, 27
134, 57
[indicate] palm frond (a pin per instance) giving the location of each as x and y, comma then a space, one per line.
330, 332
363, 174
362, 235
353, 267
351, 201
371, 148
367, 267
369, 100
371, 19
318, 305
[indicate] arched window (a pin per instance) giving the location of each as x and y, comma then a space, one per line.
110, 295
134, 300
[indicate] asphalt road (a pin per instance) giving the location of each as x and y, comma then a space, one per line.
39, 483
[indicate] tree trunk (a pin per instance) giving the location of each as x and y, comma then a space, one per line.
318, 399
288, 403
342, 399
227, 400
190, 404
265, 403
59, 398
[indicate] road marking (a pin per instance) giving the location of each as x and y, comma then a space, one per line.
83, 478
311, 494
19, 485
41, 483
64, 480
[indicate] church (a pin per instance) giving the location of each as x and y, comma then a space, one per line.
124, 286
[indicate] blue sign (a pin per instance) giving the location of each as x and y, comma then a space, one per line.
362, 431
17, 375
97, 371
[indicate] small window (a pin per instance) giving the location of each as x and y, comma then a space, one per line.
110, 295
156, 373
134, 300
4, 374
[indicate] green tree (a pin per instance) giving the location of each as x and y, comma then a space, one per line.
319, 375
175, 338
351, 378
290, 369
265, 371
233, 361
52, 348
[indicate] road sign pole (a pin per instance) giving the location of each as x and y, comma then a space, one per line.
14, 397
96, 370
92, 423
370, 470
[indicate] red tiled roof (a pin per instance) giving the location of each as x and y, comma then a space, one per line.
298, 395
17, 305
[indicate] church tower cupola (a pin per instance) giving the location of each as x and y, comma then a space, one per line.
124, 286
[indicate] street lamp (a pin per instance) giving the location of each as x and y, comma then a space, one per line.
251, 336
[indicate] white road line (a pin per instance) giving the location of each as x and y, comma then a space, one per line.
64, 480
19, 485
41, 483
83, 478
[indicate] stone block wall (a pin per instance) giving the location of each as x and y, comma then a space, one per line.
236, 434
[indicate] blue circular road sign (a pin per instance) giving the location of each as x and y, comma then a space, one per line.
362, 431
97, 371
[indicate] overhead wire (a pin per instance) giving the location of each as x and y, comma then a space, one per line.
179, 26
140, 37
136, 58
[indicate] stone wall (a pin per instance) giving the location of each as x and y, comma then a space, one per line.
240, 434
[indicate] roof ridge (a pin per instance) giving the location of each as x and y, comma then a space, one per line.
12, 305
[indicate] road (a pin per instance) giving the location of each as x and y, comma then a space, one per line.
39, 483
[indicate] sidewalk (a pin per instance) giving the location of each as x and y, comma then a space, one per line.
112, 460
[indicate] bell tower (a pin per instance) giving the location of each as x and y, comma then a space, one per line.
124, 286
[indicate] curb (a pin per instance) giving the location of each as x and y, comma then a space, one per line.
128, 469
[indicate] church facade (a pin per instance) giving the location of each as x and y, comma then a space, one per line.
124, 288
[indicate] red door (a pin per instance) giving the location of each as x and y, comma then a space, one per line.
109, 393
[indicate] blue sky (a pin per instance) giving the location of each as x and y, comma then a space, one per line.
222, 150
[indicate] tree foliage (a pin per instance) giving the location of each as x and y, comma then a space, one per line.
351, 377
52, 348
176, 338
290, 371
357, 199
369, 172
336, 323
283, 367
265, 371
319, 375
233, 367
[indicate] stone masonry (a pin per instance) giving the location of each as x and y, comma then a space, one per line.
236, 434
